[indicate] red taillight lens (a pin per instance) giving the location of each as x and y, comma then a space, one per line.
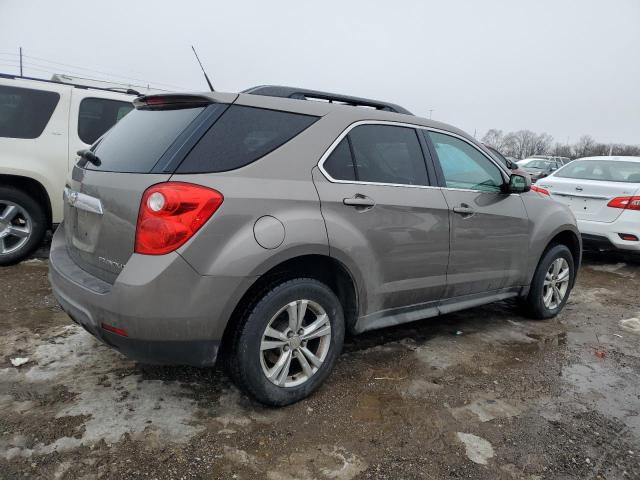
628, 203
171, 213
540, 190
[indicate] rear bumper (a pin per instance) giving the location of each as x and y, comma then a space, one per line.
607, 235
171, 314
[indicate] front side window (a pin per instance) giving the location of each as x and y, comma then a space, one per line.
97, 115
388, 154
24, 112
463, 166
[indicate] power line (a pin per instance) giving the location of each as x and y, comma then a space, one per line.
77, 67
115, 78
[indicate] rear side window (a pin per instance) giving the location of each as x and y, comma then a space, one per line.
24, 113
97, 115
140, 139
388, 154
241, 136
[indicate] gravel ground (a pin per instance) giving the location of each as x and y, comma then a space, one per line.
484, 393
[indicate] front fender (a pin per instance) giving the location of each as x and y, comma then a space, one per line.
548, 219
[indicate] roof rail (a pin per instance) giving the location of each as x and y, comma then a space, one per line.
127, 91
306, 94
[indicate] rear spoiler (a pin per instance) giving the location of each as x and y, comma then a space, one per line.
181, 100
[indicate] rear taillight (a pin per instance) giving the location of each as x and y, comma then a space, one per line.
627, 203
540, 190
171, 213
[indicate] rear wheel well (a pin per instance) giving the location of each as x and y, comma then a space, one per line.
31, 187
319, 267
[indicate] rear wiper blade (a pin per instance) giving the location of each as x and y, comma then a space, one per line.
89, 156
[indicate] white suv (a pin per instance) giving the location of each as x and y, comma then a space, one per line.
43, 124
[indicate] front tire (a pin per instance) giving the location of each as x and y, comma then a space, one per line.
23, 224
551, 284
287, 343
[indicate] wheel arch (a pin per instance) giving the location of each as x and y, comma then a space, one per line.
32, 187
569, 238
323, 268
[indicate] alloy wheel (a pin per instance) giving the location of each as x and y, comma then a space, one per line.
15, 227
295, 343
556, 283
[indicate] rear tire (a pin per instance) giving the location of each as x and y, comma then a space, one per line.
272, 336
23, 224
551, 284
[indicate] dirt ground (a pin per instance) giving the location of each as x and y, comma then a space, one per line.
482, 394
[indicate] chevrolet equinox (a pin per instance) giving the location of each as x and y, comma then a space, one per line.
260, 227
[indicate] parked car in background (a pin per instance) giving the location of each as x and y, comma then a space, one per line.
604, 195
560, 160
43, 124
263, 225
539, 168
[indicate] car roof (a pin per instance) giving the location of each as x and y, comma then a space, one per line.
618, 158
349, 113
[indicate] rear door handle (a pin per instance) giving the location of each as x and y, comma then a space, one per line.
360, 201
464, 210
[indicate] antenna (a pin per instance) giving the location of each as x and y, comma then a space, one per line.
205, 73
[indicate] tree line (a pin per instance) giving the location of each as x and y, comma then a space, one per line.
525, 143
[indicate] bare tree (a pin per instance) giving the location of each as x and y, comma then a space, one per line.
495, 139
524, 143
584, 146
562, 150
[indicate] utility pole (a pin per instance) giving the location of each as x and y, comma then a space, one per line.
430, 112
21, 61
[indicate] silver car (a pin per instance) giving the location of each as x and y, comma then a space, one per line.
260, 227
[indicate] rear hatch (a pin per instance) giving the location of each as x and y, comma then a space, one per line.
102, 199
162, 136
588, 199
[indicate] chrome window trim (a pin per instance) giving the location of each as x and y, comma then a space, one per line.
346, 131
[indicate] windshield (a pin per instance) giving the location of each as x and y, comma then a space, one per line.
605, 170
539, 164
136, 143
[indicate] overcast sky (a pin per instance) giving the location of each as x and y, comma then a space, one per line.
564, 67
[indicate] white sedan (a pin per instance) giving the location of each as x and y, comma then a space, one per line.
604, 195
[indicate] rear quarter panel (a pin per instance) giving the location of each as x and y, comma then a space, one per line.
277, 185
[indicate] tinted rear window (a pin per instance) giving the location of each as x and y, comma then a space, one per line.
388, 154
138, 141
340, 163
241, 136
97, 115
606, 170
25, 112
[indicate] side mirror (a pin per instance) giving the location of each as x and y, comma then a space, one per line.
518, 183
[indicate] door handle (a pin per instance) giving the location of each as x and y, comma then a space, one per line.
360, 201
464, 210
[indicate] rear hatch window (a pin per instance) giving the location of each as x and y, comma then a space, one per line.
140, 139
